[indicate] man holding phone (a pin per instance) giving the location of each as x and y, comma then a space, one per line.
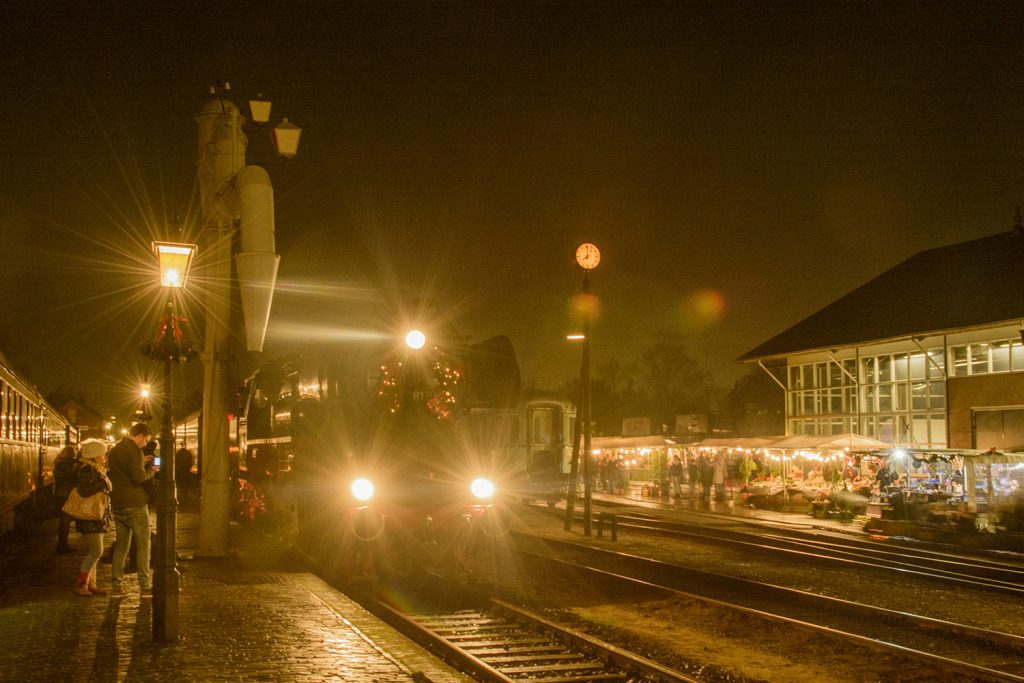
129, 501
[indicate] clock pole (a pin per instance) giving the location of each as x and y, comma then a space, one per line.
588, 256
585, 408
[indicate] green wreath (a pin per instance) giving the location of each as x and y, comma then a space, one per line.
441, 402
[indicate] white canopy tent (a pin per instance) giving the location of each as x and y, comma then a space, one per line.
608, 443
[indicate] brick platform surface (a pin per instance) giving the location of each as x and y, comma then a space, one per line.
249, 616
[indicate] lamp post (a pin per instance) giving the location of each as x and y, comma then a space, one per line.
234, 198
169, 347
588, 256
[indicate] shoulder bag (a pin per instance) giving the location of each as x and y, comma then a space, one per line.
92, 508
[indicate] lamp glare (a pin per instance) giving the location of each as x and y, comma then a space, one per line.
415, 339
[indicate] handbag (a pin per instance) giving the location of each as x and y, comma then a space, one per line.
92, 508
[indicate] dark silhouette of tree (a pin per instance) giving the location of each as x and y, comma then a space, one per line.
675, 382
756, 405
664, 382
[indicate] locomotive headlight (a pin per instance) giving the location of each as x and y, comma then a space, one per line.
482, 488
415, 339
362, 489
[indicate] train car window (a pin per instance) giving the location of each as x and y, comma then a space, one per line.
543, 426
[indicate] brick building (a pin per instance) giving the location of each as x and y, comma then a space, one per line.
89, 422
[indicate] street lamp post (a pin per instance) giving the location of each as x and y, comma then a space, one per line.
169, 347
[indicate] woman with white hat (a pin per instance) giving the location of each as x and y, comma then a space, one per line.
91, 480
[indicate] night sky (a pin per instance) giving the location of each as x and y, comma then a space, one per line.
740, 165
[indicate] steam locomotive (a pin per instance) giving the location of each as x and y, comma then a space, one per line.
377, 454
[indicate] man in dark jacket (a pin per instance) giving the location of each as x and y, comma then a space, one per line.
130, 504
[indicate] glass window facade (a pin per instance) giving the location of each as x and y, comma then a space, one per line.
983, 358
822, 397
894, 397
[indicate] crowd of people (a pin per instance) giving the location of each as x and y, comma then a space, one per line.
124, 476
704, 475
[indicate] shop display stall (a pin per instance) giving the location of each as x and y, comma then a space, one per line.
804, 472
937, 493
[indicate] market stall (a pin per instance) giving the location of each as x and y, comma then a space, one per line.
811, 470
620, 460
744, 456
955, 484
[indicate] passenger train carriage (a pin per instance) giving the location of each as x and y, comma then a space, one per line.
31, 435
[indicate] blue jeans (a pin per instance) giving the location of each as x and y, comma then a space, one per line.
130, 522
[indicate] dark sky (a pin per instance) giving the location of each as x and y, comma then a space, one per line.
739, 164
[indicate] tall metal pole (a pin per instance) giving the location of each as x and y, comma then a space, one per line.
585, 389
574, 466
166, 578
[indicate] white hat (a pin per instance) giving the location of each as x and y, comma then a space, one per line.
92, 449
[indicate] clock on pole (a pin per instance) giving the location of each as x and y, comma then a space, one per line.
588, 256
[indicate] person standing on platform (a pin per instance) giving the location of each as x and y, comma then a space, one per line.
128, 473
63, 481
707, 477
183, 474
91, 480
675, 475
718, 477
693, 474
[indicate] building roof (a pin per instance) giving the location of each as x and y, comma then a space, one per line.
970, 284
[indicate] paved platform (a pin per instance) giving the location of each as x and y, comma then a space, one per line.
253, 615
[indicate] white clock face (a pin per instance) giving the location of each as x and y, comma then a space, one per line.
587, 256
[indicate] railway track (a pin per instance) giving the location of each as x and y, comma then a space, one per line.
506, 643
973, 572
946, 647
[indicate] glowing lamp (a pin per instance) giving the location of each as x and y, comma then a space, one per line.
175, 261
415, 339
362, 489
482, 488
259, 109
286, 138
